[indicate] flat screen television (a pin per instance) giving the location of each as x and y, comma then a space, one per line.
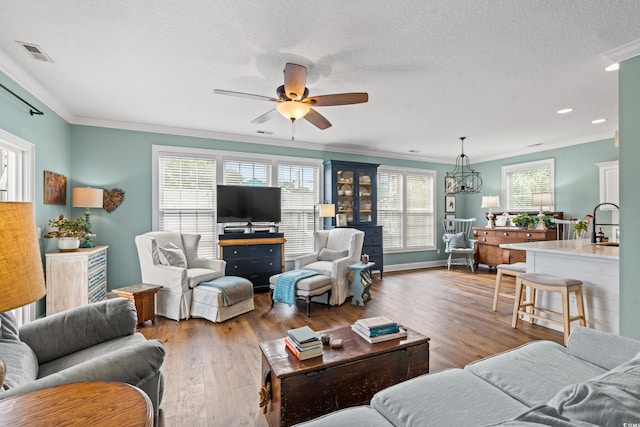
238, 203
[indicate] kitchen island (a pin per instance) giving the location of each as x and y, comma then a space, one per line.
598, 266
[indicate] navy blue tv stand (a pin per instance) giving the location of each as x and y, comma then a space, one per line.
254, 256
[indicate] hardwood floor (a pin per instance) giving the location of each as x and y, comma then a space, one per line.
212, 371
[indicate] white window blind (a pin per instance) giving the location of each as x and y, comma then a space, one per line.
186, 197
406, 208
300, 192
522, 180
247, 172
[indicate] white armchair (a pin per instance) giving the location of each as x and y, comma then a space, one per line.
335, 250
171, 259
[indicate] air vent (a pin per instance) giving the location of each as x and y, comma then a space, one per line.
35, 51
264, 132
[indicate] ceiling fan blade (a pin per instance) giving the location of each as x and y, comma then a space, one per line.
295, 81
338, 99
266, 116
317, 119
244, 95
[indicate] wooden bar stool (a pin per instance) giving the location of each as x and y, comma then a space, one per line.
549, 283
514, 270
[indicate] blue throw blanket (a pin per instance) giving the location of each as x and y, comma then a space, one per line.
285, 287
234, 289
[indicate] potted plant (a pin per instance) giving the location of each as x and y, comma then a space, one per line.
69, 232
523, 220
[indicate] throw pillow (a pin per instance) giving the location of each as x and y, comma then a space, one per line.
457, 241
612, 398
8, 327
172, 255
332, 254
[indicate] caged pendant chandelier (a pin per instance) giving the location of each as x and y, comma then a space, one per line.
463, 179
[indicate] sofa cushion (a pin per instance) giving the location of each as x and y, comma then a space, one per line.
612, 398
604, 349
534, 372
322, 267
195, 276
332, 254
86, 354
358, 416
450, 397
542, 416
8, 327
20, 361
172, 255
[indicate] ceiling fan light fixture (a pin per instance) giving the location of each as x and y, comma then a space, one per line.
293, 110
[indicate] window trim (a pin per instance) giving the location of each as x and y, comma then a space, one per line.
403, 171
521, 167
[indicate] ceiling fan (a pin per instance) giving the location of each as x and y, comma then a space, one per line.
294, 102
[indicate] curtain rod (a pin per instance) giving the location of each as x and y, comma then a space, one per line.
33, 109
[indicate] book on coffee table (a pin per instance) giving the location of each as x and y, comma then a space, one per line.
377, 322
402, 333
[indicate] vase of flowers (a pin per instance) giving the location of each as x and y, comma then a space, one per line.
580, 226
69, 232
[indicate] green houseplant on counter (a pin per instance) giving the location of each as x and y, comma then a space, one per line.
69, 232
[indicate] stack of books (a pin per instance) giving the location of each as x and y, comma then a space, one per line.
303, 343
378, 329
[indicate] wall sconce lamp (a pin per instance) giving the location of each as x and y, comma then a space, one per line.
490, 202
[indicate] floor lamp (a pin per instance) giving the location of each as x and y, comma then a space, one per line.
21, 273
324, 210
86, 197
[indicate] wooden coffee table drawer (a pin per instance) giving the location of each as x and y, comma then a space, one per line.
341, 378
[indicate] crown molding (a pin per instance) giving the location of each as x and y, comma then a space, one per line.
9, 67
624, 52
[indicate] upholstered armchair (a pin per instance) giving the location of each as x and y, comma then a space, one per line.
171, 259
335, 250
95, 342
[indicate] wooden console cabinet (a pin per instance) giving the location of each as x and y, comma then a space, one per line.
76, 278
256, 256
488, 241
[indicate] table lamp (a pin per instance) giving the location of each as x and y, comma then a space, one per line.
541, 199
86, 197
21, 273
490, 202
325, 210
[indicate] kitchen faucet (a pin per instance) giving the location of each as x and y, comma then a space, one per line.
593, 232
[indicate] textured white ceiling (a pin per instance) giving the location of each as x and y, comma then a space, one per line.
495, 71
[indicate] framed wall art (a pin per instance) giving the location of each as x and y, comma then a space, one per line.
448, 224
55, 189
449, 204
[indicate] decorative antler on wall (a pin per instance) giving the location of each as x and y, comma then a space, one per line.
112, 199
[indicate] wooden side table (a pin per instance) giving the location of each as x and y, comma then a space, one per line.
144, 297
96, 404
361, 282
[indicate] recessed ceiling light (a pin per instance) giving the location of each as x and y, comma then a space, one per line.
565, 110
613, 67
598, 121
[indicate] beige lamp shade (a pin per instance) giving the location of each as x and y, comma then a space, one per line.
86, 197
21, 273
327, 210
542, 199
490, 202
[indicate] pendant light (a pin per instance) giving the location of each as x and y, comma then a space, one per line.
463, 179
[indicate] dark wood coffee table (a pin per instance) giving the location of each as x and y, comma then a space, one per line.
344, 377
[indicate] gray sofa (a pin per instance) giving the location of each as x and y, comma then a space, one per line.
594, 381
96, 342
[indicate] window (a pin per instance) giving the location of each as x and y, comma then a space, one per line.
520, 181
186, 196
185, 187
406, 209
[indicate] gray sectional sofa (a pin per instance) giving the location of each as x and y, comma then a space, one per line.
594, 381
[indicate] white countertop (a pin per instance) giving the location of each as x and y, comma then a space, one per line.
568, 247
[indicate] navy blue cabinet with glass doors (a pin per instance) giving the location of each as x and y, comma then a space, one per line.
353, 188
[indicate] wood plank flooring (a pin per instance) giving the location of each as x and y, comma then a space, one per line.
212, 371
